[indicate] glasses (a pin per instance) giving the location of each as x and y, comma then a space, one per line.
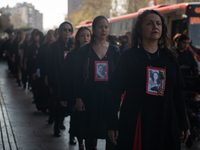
69, 30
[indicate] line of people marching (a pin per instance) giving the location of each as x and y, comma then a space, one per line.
85, 78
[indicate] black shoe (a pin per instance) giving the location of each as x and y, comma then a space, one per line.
62, 127
57, 133
72, 140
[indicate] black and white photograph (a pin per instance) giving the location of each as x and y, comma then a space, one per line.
155, 80
101, 71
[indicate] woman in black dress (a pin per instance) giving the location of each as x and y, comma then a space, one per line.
83, 36
40, 74
90, 90
32, 55
57, 53
148, 119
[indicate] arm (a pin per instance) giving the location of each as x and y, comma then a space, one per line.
116, 87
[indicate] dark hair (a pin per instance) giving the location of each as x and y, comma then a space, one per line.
61, 26
32, 34
94, 23
183, 37
191, 95
77, 42
18, 37
112, 39
158, 81
136, 36
41, 35
46, 40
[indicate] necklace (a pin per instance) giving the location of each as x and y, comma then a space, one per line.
149, 55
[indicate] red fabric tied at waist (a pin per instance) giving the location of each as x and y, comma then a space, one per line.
137, 143
122, 97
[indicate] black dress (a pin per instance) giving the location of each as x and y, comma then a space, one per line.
57, 53
56, 56
159, 114
32, 53
91, 122
42, 96
68, 78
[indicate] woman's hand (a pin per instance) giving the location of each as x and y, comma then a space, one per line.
34, 76
184, 136
193, 114
63, 103
113, 135
79, 105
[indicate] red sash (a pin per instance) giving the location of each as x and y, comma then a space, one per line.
137, 143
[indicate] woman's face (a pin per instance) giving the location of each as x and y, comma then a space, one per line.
84, 37
101, 30
183, 45
101, 69
155, 76
23, 36
36, 37
50, 36
197, 98
66, 31
151, 27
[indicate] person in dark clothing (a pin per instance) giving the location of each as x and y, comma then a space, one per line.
26, 71
125, 42
89, 90
186, 58
112, 39
24, 59
148, 119
32, 55
193, 108
56, 55
19, 57
82, 37
40, 73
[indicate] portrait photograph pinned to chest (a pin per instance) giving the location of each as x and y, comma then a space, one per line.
155, 81
101, 70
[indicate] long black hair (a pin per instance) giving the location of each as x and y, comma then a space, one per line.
164, 40
94, 24
77, 42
